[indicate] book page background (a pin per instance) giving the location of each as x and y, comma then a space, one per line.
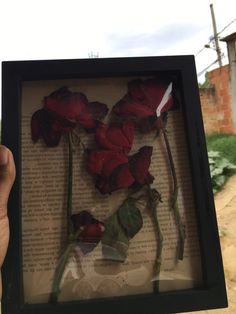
44, 186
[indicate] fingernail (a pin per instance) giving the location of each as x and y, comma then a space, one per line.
3, 156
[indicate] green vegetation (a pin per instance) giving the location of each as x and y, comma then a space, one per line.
222, 158
221, 169
223, 143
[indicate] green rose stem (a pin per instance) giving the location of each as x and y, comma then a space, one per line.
153, 201
70, 237
61, 266
59, 273
174, 203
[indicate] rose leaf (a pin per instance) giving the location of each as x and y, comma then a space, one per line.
115, 242
130, 218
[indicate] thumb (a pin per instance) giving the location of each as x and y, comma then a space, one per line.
7, 177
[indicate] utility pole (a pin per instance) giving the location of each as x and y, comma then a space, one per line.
216, 38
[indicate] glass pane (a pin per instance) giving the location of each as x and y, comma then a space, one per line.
113, 246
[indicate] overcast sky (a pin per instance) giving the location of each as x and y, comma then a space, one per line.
55, 29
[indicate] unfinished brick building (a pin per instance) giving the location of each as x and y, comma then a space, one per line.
216, 102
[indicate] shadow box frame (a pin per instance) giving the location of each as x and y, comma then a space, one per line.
212, 294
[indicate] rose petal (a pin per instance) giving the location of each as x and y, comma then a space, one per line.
154, 91
44, 125
66, 104
98, 110
90, 237
86, 120
140, 163
91, 230
122, 136
81, 219
92, 233
141, 101
115, 159
130, 108
110, 170
95, 161
104, 161
122, 178
115, 137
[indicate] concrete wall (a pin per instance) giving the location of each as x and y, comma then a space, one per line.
216, 102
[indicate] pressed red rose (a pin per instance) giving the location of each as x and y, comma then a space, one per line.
44, 124
145, 102
91, 230
109, 169
139, 164
113, 170
103, 162
115, 137
120, 178
74, 106
62, 111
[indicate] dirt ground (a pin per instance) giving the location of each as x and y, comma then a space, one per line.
225, 202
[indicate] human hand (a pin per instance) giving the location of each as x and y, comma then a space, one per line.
7, 177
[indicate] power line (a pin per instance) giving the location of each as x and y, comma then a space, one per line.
223, 29
205, 46
214, 38
227, 26
204, 70
200, 51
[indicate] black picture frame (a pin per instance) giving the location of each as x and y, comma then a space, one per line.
212, 294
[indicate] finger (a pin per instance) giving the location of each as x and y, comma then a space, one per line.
7, 177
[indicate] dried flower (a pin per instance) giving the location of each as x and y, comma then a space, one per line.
145, 103
114, 170
91, 230
62, 111
117, 137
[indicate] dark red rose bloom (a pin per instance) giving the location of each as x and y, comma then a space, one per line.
109, 169
115, 137
63, 110
113, 170
145, 102
91, 230
139, 164
74, 106
44, 124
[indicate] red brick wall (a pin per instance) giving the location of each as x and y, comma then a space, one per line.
216, 102
209, 110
